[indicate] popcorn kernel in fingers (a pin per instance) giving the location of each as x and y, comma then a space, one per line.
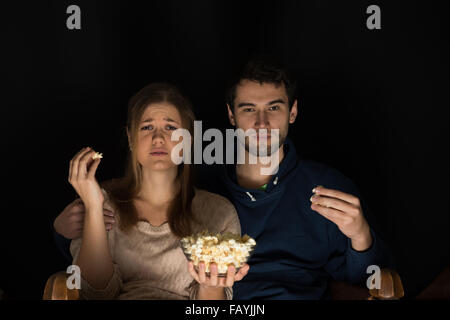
97, 155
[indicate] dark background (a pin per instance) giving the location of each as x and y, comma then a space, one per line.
373, 104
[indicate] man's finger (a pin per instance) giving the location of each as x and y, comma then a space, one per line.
336, 194
334, 203
331, 214
109, 220
107, 212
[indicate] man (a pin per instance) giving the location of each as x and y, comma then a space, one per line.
307, 218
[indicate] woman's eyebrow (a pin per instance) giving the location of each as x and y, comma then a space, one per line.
166, 119
171, 120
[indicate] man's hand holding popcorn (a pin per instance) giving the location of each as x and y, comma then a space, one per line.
345, 211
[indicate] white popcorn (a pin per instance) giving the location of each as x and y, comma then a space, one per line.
97, 155
222, 249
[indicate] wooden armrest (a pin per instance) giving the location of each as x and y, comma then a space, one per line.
391, 287
56, 288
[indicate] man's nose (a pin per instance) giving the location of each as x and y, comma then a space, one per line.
262, 121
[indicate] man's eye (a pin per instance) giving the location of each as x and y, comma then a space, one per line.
273, 108
248, 109
149, 127
171, 128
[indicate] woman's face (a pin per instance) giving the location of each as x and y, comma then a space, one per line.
154, 144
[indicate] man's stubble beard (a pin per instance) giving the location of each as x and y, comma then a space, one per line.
281, 140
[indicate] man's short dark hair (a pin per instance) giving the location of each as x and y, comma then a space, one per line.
264, 69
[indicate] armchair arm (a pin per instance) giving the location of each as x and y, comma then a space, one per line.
56, 288
391, 287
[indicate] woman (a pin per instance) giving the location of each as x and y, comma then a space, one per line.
155, 204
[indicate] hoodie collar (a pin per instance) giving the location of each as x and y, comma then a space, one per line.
286, 167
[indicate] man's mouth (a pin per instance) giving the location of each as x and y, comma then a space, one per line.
260, 137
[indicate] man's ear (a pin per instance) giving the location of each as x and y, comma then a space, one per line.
231, 116
293, 113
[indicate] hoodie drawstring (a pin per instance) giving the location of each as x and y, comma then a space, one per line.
250, 195
275, 181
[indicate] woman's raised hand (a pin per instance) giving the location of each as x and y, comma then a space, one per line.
82, 178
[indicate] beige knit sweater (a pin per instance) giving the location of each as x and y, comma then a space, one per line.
149, 263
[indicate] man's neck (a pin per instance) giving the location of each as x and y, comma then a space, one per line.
249, 175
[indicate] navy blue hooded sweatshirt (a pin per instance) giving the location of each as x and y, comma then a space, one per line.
297, 250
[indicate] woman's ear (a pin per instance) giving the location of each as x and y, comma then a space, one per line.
129, 140
231, 116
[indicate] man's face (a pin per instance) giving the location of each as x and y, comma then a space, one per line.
262, 106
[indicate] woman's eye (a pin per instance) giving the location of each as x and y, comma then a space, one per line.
273, 108
171, 128
149, 127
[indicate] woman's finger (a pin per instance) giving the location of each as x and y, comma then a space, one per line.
230, 276
192, 271
93, 168
71, 176
201, 272
222, 282
242, 272
213, 272
82, 164
75, 163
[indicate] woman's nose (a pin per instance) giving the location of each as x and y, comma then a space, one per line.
158, 137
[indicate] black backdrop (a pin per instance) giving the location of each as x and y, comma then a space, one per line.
372, 104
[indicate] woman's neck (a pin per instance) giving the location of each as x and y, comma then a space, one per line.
158, 187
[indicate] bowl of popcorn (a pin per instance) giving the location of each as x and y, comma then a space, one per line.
222, 249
